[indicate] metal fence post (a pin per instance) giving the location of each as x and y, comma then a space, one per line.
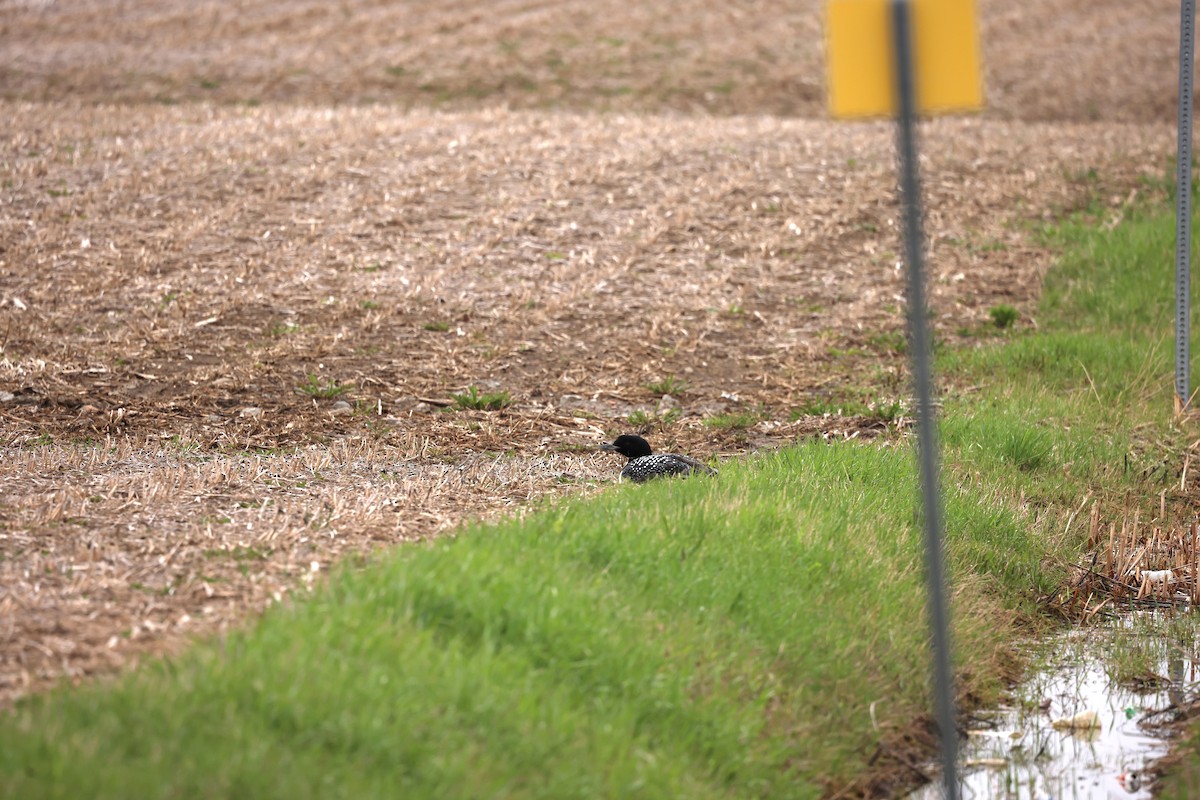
927, 448
1183, 207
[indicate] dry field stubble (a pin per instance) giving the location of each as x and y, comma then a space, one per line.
187, 292
174, 280
1058, 60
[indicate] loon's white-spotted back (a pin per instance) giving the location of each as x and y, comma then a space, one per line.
645, 464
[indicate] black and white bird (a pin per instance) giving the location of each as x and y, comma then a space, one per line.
645, 464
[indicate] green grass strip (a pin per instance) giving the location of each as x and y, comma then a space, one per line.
1083, 405
696, 638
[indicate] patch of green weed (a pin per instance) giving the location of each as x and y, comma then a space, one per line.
1003, 316
734, 420
324, 389
473, 399
669, 385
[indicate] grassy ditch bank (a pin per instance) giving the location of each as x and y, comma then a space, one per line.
755, 635
749, 636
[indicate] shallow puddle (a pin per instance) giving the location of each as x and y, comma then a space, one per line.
1027, 751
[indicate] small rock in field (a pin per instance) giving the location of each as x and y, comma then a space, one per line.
340, 409
253, 412
6, 397
666, 404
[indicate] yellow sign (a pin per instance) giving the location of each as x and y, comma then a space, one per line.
861, 57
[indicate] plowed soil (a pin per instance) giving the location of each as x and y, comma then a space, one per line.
250, 252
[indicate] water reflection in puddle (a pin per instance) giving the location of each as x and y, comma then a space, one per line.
1018, 753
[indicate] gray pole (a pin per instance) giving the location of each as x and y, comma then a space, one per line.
1183, 207
927, 449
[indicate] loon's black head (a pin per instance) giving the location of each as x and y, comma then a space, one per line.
629, 446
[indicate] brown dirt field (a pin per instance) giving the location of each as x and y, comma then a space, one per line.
208, 208
1060, 60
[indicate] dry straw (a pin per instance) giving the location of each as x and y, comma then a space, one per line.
1135, 564
174, 276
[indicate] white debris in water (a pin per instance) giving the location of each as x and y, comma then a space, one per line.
1158, 575
1084, 720
1071, 733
